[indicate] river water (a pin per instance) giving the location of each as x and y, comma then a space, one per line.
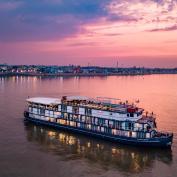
27, 150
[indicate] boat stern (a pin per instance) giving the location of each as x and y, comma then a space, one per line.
166, 139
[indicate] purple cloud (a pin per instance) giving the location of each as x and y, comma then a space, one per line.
47, 20
24, 20
170, 28
6, 6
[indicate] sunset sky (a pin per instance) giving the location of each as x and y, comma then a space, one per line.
98, 32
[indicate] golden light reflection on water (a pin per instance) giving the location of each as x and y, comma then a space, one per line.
70, 146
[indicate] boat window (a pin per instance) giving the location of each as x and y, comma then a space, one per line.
130, 125
139, 113
42, 111
75, 110
88, 111
118, 124
75, 117
64, 108
131, 115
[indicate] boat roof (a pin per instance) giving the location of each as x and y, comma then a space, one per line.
44, 100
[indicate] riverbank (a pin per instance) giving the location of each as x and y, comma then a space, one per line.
79, 74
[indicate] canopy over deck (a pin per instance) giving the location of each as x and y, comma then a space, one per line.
44, 100
70, 98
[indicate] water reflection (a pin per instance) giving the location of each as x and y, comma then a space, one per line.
71, 146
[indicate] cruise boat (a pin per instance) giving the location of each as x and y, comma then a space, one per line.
104, 118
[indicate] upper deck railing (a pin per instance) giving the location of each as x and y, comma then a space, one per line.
100, 103
103, 105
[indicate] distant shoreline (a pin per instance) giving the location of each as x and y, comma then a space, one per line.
78, 74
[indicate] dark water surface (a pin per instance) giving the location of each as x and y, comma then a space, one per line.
27, 150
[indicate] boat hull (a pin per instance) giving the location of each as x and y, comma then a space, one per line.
151, 142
